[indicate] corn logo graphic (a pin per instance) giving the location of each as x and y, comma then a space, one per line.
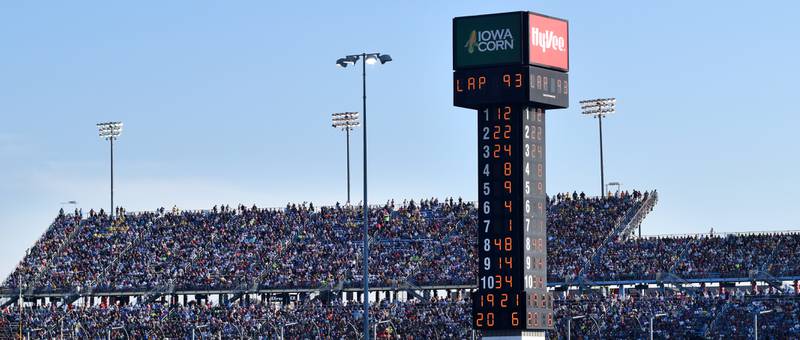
470, 45
490, 40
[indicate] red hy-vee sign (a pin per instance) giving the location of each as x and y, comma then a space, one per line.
548, 42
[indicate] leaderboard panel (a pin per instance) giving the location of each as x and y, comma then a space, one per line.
512, 220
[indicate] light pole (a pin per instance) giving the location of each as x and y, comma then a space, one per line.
755, 322
196, 327
368, 58
651, 322
21, 303
569, 325
110, 131
599, 108
346, 121
286, 325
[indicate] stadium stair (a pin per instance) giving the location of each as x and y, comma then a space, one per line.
50, 261
412, 290
158, 292
239, 291
103, 277
760, 275
681, 257
70, 298
677, 283
717, 318
767, 265
625, 226
635, 220
7, 302
10, 331
583, 282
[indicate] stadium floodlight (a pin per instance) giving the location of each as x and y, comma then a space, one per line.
346, 121
110, 131
599, 108
656, 316
73, 203
755, 322
348, 60
343, 62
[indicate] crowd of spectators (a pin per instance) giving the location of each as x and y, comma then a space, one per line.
297, 246
46, 247
699, 257
577, 225
640, 259
707, 314
675, 315
427, 242
435, 319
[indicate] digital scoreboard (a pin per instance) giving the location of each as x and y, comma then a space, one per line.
511, 68
477, 88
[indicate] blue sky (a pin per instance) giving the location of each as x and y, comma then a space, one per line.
229, 102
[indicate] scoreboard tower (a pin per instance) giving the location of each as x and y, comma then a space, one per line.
511, 68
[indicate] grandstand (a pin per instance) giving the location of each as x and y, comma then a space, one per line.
250, 272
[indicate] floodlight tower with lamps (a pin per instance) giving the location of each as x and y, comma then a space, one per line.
347, 121
368, 58
110, 131
599, 108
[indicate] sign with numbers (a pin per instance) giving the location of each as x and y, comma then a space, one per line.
511, 97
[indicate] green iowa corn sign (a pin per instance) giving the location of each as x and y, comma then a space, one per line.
493, 39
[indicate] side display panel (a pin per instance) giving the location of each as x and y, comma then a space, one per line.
539, 303
548, 88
